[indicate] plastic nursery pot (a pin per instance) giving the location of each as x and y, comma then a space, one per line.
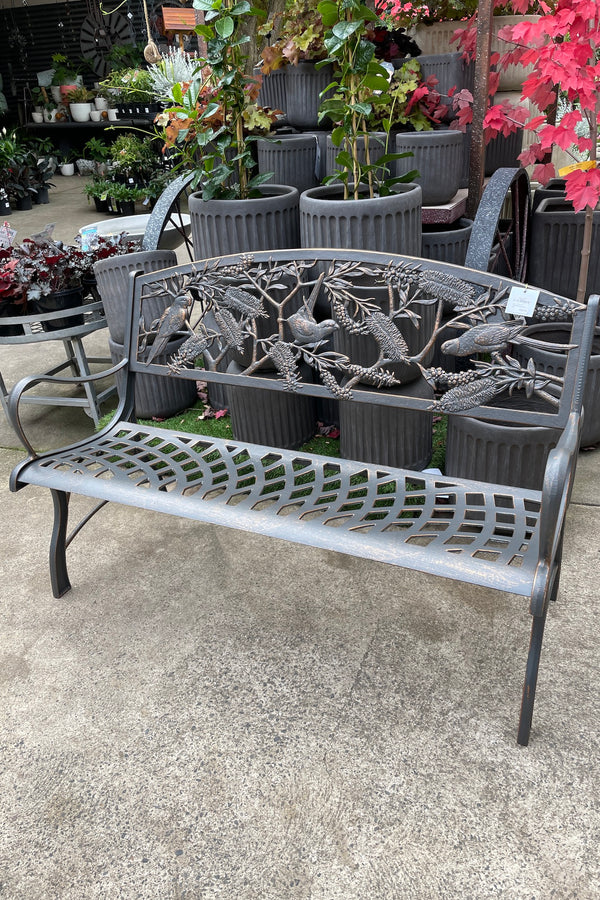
67, 299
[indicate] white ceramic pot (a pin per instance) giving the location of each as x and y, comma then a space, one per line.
113, 115
101, 103
67, 169
80, 112
95, 115
55, 91
37, 117
49, 115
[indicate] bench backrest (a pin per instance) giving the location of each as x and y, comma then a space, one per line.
354, 325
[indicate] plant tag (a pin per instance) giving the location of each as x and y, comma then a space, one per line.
131, 181
7, 235
521, 301
580, 166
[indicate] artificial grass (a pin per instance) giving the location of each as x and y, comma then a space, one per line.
193, 421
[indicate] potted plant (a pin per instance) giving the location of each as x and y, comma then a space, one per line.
67, 162
290, 79
98, 190
42, 173
80, 103
213, 126
98, 151
125, 197
44, 275
363, 203
65, 77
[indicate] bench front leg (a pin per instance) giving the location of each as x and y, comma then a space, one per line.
58, 544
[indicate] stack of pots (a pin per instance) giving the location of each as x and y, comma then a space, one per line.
154, 395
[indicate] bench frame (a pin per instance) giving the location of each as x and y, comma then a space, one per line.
408, 527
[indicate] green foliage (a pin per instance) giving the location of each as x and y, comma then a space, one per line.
360, 85
65, 72
210, 124
96, 149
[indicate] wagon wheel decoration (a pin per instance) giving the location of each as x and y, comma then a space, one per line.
98, 34
499, 243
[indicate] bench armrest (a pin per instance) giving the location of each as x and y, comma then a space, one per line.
30, 381
560, 473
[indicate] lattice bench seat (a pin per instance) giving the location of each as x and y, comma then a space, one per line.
406, 518
262, 311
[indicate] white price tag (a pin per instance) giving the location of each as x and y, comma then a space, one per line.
7, 235
521, 301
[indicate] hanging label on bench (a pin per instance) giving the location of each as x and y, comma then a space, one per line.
521, 301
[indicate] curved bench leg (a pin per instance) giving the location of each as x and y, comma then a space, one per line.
531, 675
58, 547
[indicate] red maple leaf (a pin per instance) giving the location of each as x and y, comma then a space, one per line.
583, 188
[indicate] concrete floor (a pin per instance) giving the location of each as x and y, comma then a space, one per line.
210, 714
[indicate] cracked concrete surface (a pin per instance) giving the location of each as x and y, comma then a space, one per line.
210, 714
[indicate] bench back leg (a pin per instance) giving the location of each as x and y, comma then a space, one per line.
531, 675
58, 547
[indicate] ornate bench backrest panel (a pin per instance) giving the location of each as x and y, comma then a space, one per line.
351, 325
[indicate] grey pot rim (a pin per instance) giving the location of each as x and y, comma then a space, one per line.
454, 228
271, 194
323, 195
418, 137
541, 328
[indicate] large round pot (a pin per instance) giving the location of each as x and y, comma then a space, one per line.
156, 395
80, 112
269, 222
272, 418
304, 84
292, 158
272, 91
554, 252
389, 224
388, 435
553, 362
363, 349
447, 243
377, 147
450, 69
503, 151
438, 157
500, 453
67, 299
513, 75
114, 286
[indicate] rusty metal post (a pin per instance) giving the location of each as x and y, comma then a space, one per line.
480, 102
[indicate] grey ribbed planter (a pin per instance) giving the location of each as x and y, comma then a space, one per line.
292, 158
377, 148
555, 241
553, 362
269, 222
388, 435
272, 91
303, 86
363, 349
498, 453
154, 394
447, 243
503, 152
438, 157
272, 418
112, 278
450, 70
389, 224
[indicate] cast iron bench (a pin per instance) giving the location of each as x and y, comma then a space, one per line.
264, 309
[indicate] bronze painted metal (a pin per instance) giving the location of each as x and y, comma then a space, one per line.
281, 309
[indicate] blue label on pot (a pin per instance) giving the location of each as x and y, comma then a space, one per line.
88, 236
